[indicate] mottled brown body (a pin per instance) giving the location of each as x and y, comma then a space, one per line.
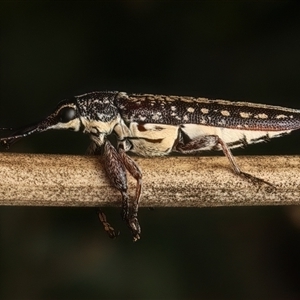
156, 125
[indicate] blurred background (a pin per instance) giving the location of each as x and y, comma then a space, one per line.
230, 50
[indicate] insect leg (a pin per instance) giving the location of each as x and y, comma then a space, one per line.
116, 171
236, 168
197, 144
213, 141
107, 227
94, 149
136, 173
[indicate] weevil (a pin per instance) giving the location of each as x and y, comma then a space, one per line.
157, 125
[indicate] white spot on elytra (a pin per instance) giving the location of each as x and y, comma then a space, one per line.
281, 116
185, 118
173, 108
261, 116
225, 113
190, 109
204, 110
245, 115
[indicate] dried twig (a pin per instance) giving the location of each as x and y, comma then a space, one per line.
63, 180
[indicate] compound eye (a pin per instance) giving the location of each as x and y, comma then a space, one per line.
66, 114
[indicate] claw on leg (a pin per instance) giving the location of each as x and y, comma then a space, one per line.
134, 225
254, 179
130, 219
107, 227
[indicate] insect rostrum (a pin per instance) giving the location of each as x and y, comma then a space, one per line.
156, 125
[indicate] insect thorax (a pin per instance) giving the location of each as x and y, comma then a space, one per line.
98, 114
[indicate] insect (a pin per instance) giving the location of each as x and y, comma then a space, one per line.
156, 125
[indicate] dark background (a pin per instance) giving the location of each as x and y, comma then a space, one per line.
231, 50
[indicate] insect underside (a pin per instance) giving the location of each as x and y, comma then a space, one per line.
156, 125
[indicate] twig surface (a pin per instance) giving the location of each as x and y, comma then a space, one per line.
64, 180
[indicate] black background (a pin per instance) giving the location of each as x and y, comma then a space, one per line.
230, 50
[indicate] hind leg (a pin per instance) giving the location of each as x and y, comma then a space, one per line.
213, 141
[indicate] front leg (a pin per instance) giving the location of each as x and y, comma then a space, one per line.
106, 225
209, 142
94, 149
116, 170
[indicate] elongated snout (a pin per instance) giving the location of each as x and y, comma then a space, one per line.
64, 117
20, 133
